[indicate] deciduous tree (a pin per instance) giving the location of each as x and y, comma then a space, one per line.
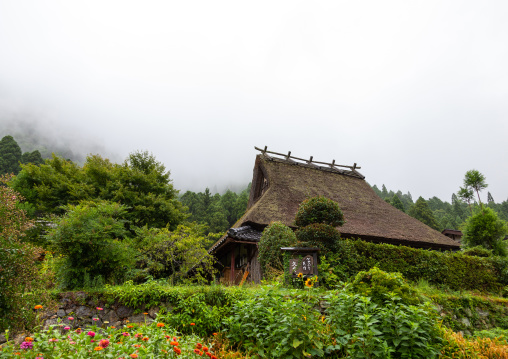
484, 228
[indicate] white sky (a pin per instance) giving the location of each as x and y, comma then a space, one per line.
415, 92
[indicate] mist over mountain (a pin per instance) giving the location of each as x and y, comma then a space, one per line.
33, 131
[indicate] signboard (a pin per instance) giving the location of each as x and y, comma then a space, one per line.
302, 260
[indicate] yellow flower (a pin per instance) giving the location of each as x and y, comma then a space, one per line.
308, 283
300, 275
323, 319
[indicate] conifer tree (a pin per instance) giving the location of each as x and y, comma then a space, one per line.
10, 156
421, 211
397, 203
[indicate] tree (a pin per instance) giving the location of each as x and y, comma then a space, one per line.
317, 218
165, 254
475, 180
421, 211
140, 183
466, 195
89, 239
10, 155
319, 210
490, 199
32, 157
485, 229
397, 203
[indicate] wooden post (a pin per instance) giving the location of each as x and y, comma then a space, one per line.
232, 273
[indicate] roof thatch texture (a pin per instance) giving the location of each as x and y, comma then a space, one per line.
287, 183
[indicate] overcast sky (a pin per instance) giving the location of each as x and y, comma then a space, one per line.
415, 92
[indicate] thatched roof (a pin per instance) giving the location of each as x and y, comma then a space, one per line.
280, 185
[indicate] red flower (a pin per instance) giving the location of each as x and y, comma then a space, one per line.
205, 349
192, 323
178, 351
199, 345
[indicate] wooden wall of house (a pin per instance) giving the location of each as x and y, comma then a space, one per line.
255, 273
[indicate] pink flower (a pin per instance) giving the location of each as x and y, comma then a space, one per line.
26, 345
90, 333
71, 318
125, 334
104, 343
95, 319
53, 340
92, 341
99, 308
67, 328
73, 342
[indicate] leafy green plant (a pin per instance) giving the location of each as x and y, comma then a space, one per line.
87, 237
319, 210
484, 228
194, 315
21, 280
274, 237
276, 326
366, 329
381, 285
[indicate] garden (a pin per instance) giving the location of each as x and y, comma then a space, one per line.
105, 279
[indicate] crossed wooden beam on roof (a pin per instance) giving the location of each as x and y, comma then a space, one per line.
310, 161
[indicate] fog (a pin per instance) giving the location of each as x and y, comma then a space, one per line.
413, 92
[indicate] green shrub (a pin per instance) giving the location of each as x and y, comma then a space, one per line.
194, 309
380, 286
485, 229
450, 269
274, 237
319, 235
276, 326
365, 329
87, 237
22, 283
477, 251
319, 210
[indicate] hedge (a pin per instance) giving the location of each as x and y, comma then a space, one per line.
450, 269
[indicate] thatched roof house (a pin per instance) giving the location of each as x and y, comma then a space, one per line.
280, 184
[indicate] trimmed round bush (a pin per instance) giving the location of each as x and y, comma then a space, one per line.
275, 236
319, 210
319, 235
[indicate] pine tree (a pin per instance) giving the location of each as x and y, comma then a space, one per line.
397, 203
490, 198
10, 156
421, 211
